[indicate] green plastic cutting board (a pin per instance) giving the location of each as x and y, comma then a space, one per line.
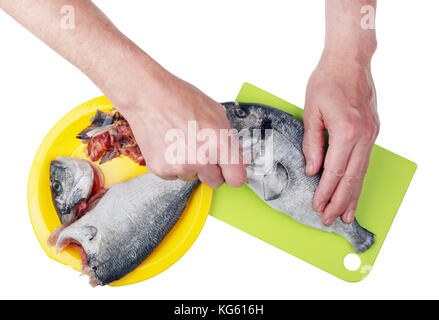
385, 184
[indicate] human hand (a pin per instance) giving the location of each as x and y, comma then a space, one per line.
165, 103
341, 98
152, 99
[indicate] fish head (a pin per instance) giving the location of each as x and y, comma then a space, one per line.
247, 116
71, 182
253, 125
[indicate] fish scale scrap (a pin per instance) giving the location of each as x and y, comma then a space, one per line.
109, 136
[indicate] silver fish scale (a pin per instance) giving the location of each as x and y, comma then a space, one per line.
129, 222
283, 184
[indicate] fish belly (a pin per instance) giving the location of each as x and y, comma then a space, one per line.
127, 224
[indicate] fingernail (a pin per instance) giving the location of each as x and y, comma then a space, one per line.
351, 216
328, 221
309, 167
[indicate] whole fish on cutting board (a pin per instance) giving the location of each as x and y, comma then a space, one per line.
124, 225
277, 168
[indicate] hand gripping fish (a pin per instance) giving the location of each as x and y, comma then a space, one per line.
277, 174
273, 142
123, 225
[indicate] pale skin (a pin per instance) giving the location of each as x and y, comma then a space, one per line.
340, 96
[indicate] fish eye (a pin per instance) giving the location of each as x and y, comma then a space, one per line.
241, 112
56, 186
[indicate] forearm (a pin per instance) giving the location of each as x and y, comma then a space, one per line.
94, 45
135, 84
347, 36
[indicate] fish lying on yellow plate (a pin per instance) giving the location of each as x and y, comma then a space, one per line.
62, 142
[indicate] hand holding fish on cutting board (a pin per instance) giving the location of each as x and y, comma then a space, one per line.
341, 98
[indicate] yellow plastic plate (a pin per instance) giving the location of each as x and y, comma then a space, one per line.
61, 141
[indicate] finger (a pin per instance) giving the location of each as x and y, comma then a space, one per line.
336, 160
166, 176
234, 175
162, 173
353, 177
349, 214
188, 177
185, 172
211, 175
231, 162
313, 144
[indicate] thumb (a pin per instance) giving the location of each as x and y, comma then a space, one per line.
313, 143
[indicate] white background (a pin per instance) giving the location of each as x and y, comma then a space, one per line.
218, 45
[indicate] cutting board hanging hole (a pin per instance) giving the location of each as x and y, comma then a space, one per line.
352, 262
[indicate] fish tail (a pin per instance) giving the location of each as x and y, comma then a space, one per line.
83, 135
99, 120
102, 119
109, 155
361, 239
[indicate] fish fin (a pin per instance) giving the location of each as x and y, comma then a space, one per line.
109, 155
91, 132
275, 182
83, 135
363, 239
102, 119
